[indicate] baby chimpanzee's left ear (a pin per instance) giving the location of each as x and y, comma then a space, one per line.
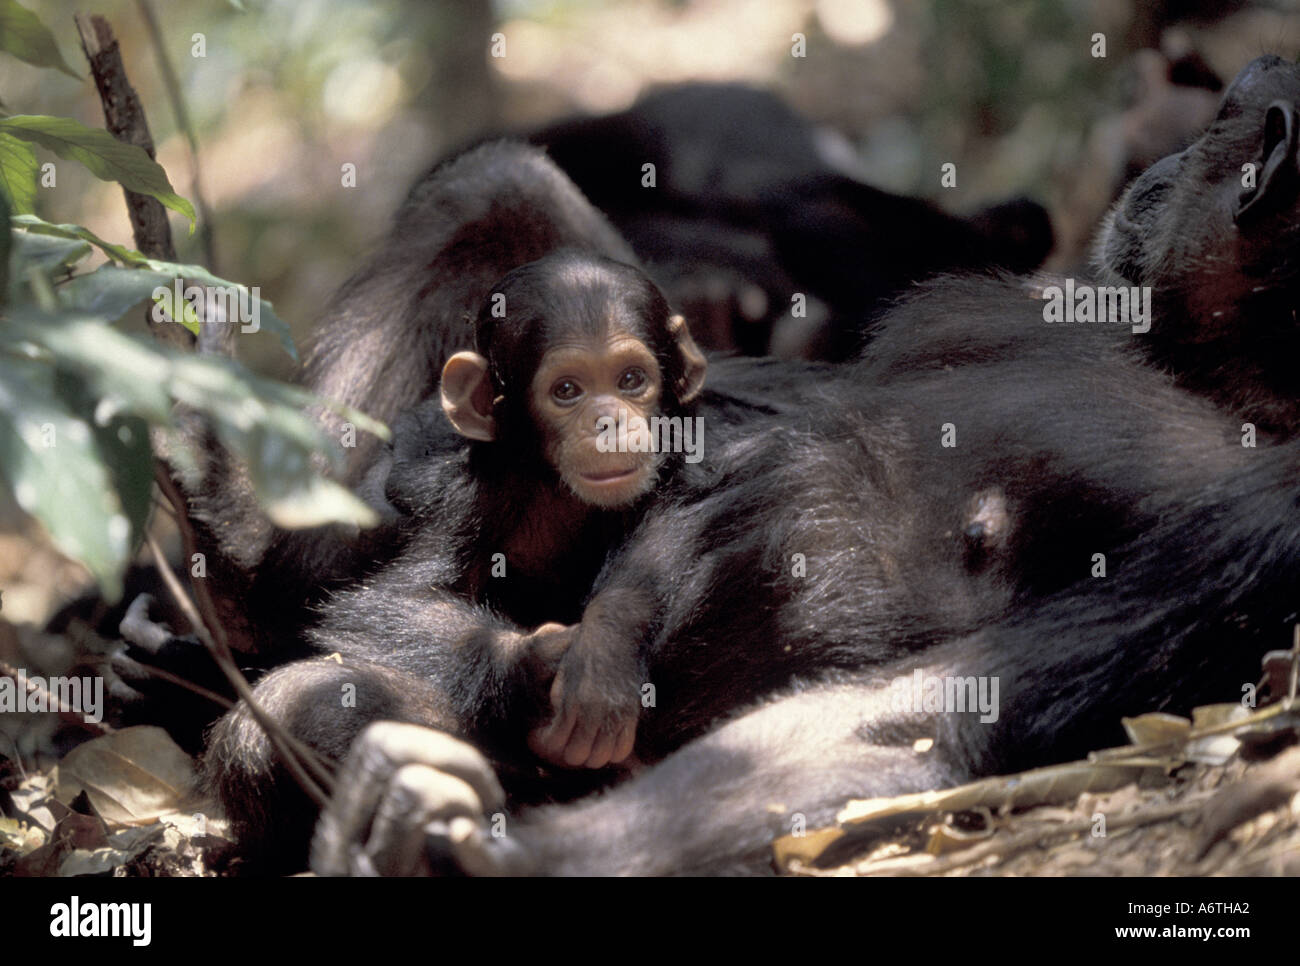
694, 364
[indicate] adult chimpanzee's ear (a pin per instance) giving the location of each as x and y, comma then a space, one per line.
467, 396
693, 361
1275, 189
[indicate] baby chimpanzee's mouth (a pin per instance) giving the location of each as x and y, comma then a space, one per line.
609, 476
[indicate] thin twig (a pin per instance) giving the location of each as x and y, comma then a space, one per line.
125, 119
218, 699
297, 757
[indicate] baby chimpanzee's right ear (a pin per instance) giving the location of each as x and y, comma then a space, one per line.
467, 396
693, 362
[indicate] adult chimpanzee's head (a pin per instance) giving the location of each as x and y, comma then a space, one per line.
1215, 229
568, 346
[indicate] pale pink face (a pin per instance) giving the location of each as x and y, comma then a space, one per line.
579, 391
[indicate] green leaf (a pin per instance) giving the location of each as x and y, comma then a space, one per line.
261, 422
53, 256
238, 297
187, 316
23, 35
103, 155
125, 374
123, 443
51, 461
119, 253
110, 291
18, 167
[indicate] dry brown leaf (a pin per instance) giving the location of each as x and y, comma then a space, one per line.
945, 838
131, 776
1156, 728
806, 847
74, 832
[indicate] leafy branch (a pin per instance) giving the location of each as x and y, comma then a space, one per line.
79, 399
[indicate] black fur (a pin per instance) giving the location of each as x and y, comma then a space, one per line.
771, 688
747, 198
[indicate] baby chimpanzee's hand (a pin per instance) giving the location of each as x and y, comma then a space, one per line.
595, 697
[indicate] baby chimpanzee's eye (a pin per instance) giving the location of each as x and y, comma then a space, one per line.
632, 380
566, 390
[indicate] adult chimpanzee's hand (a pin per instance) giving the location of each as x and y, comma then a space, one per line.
145, 670
413, 801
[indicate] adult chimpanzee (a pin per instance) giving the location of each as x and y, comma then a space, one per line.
800, 551
1226, 284
1124, 532
747, 200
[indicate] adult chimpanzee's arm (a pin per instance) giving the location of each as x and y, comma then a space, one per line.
488, 676
714, 806
428, 658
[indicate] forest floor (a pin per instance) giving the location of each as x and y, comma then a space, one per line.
1238, 819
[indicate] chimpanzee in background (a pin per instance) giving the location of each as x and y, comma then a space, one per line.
1230, 291
747, 200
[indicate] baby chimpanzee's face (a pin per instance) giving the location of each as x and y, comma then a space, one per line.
593, 400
